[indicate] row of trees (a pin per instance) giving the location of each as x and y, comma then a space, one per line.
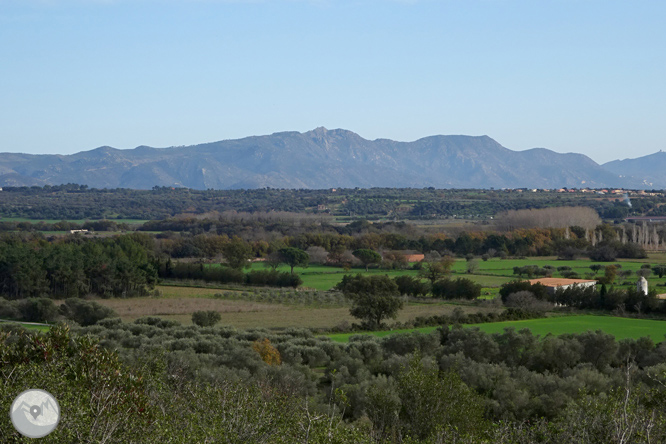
226, 275
81, 311
79, 202
32, 267
375, 298
334, 245
601, 298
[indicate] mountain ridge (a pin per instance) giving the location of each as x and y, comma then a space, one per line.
319, 158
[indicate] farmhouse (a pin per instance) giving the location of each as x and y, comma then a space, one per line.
413, 256
403, 255
554, 284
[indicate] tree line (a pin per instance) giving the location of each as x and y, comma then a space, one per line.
31, 266
73, 201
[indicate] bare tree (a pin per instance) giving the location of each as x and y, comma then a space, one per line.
560, 217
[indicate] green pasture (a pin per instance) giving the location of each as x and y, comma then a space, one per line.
504, 267
621, 328
322, 277
28, 326
490, 274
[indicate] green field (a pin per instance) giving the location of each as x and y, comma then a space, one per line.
621, 328
29, 326
491, 274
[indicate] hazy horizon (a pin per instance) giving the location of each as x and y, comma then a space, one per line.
582, 77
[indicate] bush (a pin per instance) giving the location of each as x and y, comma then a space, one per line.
460, 288
206, 318
85, 312
37, 310
603, 253
409, 285
525, 300
8, 309
538, 290
273, 278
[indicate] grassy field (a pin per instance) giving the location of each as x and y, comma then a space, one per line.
621, 328
30, 326
179, 303
491, 274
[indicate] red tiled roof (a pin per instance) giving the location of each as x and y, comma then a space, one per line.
558, 282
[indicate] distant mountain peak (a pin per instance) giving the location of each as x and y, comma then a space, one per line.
319, 158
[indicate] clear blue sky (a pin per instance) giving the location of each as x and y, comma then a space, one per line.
570, 75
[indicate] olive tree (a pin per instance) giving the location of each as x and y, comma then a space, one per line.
374, 298
367, 256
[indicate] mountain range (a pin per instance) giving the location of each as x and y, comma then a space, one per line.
324, 158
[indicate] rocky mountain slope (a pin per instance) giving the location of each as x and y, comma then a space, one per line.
319, 158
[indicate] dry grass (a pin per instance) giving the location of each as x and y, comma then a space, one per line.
171, 292
245, 314
137, 307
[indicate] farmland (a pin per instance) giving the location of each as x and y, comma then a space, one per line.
620, 328
491, 273
178, 303
246, 307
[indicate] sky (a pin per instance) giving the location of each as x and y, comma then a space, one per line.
582, 76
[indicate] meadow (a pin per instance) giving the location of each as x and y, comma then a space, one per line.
620, 328
490, 274
30, 325
245, 307
245, 310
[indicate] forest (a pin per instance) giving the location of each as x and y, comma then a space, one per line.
78, 202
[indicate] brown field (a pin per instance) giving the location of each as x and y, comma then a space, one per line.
179, 303
171, 292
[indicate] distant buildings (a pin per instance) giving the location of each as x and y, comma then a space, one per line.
554, 284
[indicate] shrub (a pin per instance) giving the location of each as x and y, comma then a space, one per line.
409, 285
206, 318
460, 288
525, 300
85, 312
37, 310
538, 290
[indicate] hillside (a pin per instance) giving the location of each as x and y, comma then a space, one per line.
648, 169
319, 158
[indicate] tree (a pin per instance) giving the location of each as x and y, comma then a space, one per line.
610, 273
37, 310
659, 270
85, 312
374, 298
273, 260
596, 267
409, 285
367, 256
269, 354
206, 318
434, 402
472, 266
294, 257
644, 272
538, 290
460, 288
433, 271
237, 252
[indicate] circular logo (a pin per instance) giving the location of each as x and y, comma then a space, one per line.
35, 413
